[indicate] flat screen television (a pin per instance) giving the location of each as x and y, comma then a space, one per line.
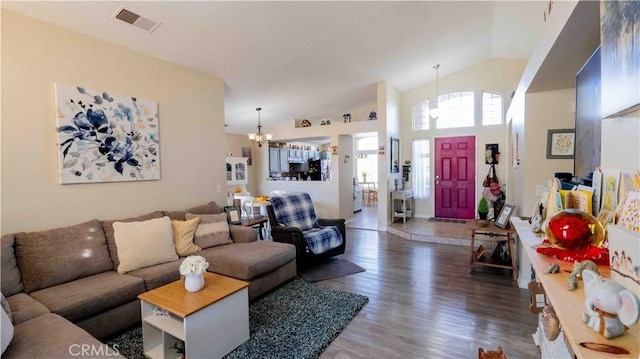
588, 118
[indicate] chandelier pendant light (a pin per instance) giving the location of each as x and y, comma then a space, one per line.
260, 138
434, 112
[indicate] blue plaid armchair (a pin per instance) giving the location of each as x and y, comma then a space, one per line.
293, 220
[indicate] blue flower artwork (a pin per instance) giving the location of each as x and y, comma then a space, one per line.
106, 138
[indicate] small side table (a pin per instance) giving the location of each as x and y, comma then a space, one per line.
209, 323
407, 204
256, 222
494, 233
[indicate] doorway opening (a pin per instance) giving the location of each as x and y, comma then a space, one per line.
365, 181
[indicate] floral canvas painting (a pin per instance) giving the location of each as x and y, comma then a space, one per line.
106, 138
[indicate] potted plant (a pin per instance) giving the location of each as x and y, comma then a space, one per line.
364, 176
483, 209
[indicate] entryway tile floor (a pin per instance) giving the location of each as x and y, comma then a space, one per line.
421, 229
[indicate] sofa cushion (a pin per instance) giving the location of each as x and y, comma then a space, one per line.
86, 297
51, 336
143, 244
213, 230
209, 208
158, 275
183, 234
61, 255
10, 274
107, 226
246, 261
242, 234
24, 307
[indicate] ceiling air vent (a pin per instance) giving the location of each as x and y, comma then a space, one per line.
136, 20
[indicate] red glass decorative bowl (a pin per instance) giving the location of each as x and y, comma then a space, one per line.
574, 230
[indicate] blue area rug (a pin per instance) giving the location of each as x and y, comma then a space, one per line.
297, 320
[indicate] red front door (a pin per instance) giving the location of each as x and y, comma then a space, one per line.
455, 177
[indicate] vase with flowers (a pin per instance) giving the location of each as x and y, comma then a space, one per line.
192, 268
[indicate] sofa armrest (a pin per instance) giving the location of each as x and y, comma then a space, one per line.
291, 235
242, 234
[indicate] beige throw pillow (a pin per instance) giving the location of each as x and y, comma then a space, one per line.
213, 230
143, 244
183, 233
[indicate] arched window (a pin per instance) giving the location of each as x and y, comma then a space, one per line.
492, 108
455, 109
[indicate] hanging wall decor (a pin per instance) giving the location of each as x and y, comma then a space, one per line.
106, 138
620, 58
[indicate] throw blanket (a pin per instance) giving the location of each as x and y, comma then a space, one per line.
296, 210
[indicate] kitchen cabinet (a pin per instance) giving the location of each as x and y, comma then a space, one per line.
236, 170
278, 159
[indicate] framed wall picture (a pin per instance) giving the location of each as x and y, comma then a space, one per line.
560, 144
491, 154
233, 214
502, 220
395, 155
620, 58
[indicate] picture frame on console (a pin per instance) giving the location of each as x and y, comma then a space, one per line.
233, 215
502, 220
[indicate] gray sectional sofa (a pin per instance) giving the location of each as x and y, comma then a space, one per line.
64, 291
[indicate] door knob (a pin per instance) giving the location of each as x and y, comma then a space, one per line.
437, 176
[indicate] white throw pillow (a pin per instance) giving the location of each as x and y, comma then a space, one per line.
143, 244
6, 330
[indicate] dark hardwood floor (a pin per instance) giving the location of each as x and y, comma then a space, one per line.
424, 303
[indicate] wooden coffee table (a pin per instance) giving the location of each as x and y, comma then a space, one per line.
208, 324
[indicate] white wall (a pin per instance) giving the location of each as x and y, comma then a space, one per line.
389, 101
495, 75
35, 56
621, 142
544, 111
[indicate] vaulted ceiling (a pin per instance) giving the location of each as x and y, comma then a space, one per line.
308, 59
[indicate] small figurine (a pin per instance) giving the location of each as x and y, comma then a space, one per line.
610, 307
578, 267
346, 117
306, 123
373, 116
552, 268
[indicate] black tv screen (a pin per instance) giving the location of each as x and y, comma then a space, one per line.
588, 118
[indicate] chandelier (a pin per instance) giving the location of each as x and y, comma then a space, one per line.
260, 138
434, 112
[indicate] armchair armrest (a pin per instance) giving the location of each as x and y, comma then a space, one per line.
340, 223
242, 234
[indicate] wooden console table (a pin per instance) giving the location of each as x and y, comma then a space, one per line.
407, 203
494, 233
569, 305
